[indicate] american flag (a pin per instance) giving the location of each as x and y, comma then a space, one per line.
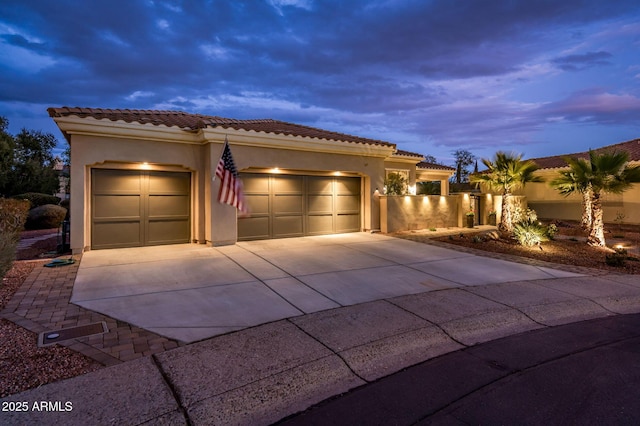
230, 184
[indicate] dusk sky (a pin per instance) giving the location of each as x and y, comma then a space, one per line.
536, 77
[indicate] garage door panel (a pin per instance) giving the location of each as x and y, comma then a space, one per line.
255, 184
320, 185
116, 234
253, 228
320, 204
288, 226
348, 223
168, 231
258, 204
288, 204
347, 186
116, 181
348, 203
320, 224
288, 184
168, 205
116, 206
169, 183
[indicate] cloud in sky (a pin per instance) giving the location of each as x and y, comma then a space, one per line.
431, 76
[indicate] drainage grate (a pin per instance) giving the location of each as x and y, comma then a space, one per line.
48, 338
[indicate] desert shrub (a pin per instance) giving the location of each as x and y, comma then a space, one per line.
45, 217
13, 214
36, 199
522, 215
530, 232
552, 231
616, 258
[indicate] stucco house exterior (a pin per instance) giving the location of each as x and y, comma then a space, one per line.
550, 204
146, 177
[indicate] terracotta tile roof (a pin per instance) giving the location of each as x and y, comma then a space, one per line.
404, 153
190, 121
632, 147
433, 166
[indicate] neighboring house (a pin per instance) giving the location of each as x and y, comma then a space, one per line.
145, 177
550, 204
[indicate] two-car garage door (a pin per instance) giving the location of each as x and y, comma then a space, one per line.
293, 205
133, 208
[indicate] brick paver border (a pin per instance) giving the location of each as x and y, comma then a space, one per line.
43, 303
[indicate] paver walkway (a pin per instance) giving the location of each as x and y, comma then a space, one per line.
42, 303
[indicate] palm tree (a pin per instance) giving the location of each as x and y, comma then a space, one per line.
608, 172
577, 179
505, 174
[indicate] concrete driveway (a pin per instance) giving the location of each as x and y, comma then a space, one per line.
192, 292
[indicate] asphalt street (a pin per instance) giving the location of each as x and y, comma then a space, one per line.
582, 373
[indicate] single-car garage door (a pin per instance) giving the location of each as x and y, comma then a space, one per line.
137, 208
293, 206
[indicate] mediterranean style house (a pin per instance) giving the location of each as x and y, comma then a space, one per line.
550, 204
147, 177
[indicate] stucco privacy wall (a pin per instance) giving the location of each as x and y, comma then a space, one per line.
550, 204
413, 212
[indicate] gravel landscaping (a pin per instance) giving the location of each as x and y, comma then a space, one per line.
22, 364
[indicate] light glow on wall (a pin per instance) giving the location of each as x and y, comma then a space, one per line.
412, 189
145, 166
276, 170
337, 174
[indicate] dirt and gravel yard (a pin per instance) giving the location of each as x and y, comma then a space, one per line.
568, 248
22, 364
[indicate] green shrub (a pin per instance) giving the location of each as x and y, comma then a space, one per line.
521, 215
13, 214
552, 231
38, 199
616, 258
530, 232
46, 217
395, 184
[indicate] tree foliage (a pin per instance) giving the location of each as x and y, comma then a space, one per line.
464, 159
26, 162
395, 184
505, 174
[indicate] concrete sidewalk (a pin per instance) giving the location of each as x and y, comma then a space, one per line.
262, 374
